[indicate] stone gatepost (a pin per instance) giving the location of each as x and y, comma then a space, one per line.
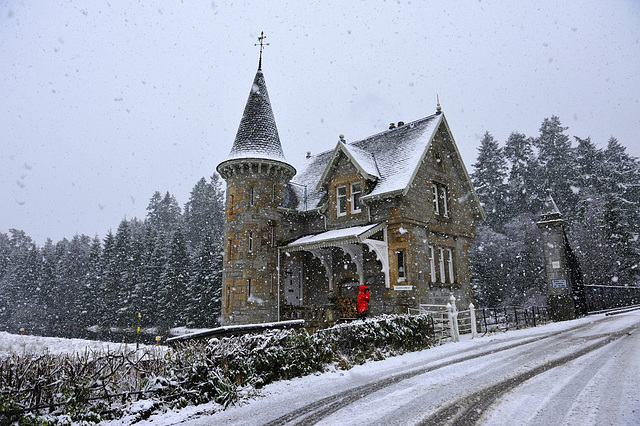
559, 288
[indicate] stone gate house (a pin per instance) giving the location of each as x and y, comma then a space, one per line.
396, 211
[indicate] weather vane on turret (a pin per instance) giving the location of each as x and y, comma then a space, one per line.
262, 45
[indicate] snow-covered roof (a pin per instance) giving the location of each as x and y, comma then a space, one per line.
355, 234
392, 156
550, 211
257, 135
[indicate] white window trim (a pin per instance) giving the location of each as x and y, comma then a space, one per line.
443, 195
339, 213
353, 198
432, 264
450, 265
441, 264
436, 204
404, 265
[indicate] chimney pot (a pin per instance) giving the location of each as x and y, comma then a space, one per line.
392, 125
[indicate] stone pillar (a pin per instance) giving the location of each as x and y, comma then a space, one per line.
559, 295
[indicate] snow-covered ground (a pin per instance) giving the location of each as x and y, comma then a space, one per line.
601, 386
26, 344
582, 372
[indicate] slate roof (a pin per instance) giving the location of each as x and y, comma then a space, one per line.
393, 156
257, 135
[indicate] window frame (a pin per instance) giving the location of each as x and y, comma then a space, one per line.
355, 198
444, 194
450, 265
340, 199
443, 279
436, 204
432, 264
401, 264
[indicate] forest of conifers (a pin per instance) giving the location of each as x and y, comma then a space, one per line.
168, 265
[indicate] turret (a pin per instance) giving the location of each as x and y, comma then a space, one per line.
256, 173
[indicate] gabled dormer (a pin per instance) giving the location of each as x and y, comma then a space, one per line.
350, 173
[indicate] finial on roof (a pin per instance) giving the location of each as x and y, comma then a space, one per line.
438, 107
341, 139
262, 45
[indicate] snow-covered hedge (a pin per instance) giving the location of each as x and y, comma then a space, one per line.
92, 385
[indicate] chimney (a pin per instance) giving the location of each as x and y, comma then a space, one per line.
400, 123
392, 126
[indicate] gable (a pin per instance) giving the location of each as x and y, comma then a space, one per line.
362, 161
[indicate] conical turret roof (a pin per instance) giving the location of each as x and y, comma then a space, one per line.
257, 135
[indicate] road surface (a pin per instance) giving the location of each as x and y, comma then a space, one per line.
582, 372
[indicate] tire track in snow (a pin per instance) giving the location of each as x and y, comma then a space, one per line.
318, 410
470, 408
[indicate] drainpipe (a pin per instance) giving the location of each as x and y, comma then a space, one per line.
278, 272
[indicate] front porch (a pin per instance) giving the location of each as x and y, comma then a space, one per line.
321, 274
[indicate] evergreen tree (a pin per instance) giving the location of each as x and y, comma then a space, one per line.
91, 294
204, 212
206, 286
489, 175
557, 164
172, 296
524, 188
108, 283
164, 213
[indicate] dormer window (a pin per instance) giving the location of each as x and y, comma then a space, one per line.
355, 197
342, 200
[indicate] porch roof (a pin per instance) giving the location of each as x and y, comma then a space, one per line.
334, 238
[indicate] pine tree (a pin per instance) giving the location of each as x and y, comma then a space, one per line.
489, 175
164, 213
204, 212
557, 164
206, 286
524, 188
172, 296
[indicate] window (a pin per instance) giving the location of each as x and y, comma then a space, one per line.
432, 264
436, 205
249, 288
342, 200
443, 201
401, 266
273, 192
441, 264
231, 204
250, 241
440, 199
450, 265
355, 197
251, 196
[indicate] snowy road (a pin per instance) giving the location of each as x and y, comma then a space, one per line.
578, 372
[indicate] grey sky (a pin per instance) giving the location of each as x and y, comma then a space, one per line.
105, 103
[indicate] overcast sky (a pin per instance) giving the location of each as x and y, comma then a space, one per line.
103, 103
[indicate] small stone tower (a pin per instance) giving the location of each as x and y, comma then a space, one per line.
559, 286
256, 173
